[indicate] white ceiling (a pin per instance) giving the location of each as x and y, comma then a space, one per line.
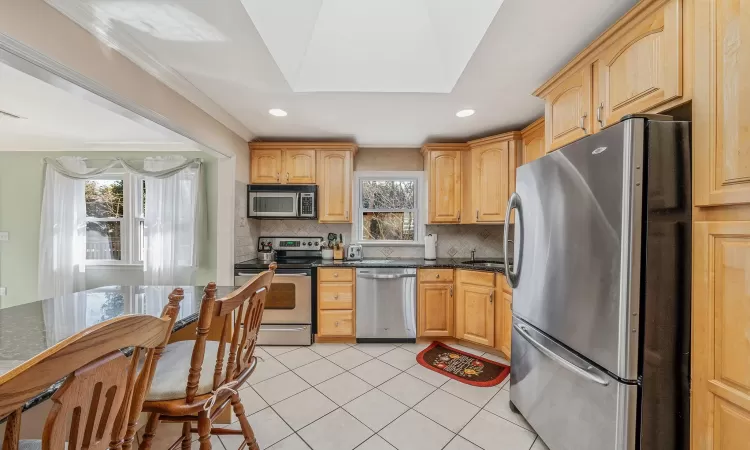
53, 119
355, 45
382, 72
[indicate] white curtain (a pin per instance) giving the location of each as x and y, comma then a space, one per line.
62, 237
171, 224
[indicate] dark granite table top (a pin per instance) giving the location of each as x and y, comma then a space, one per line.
440, 263
29, 329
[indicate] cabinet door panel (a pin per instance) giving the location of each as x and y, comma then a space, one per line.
490, 178
299, 166
642, 69
567, 114
265, 166
533, 145
334, 186
445, 186
721, 348
475, 314
507, 324
435, 309
721, 102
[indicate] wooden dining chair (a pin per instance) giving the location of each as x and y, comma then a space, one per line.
103, 388
196, 380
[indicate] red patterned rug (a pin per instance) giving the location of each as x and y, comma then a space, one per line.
464, 367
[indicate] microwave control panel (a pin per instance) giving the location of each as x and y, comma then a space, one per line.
307, 205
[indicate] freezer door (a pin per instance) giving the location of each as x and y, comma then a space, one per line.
569, 403
578, 245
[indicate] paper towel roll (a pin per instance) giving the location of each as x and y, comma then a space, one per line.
430, 247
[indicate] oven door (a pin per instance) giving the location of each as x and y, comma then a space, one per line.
287, 317
273, 204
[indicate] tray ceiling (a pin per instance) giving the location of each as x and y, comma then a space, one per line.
371, 46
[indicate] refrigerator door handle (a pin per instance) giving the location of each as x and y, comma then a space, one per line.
511, 276
584, 372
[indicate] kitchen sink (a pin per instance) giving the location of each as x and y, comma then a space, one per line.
479, 262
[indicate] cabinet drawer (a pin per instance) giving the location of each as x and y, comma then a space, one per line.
336, 296
336, 323
336, 274
435, 275
477, 278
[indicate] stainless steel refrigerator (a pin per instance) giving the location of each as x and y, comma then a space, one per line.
601, 289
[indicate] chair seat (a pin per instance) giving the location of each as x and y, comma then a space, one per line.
170, 378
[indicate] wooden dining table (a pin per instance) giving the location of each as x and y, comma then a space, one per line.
29, 329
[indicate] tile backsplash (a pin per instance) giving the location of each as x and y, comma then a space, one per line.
454, 241
246, 231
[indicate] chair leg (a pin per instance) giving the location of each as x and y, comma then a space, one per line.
148, 435
187, 436
204, 430
247, 430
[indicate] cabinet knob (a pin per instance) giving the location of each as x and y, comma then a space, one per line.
336, 323
437, 275
336, 297
335, 275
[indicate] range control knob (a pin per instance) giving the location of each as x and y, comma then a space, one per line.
309, 243
304, 243
317, 243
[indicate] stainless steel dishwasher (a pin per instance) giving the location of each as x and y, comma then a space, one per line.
386, 305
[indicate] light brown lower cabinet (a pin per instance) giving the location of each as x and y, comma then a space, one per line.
720, 378
336, 302
435, 306
475, 307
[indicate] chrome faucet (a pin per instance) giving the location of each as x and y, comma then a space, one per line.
472, 254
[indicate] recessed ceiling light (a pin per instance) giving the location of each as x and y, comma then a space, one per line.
465, 113
277, 112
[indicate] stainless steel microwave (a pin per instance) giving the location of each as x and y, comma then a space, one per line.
271, 201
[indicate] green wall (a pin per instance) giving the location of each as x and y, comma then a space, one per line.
21, 182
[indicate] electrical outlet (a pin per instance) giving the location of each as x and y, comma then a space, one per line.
3, 291
4, 236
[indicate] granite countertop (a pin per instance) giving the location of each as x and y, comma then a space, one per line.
440, 263
29, 329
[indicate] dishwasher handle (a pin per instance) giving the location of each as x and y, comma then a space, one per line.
386, 277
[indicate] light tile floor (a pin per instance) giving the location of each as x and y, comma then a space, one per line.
372, 397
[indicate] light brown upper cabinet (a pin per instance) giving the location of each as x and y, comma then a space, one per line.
533, 141
567, 110
475, 307
282, 163
335, 186
266, 166
443, 167
299, 166
638, 65
721, 104
642, 68
493, 162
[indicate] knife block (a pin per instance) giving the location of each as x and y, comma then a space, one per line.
338, 253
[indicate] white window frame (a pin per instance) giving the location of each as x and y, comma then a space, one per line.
132, 217
420, 213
